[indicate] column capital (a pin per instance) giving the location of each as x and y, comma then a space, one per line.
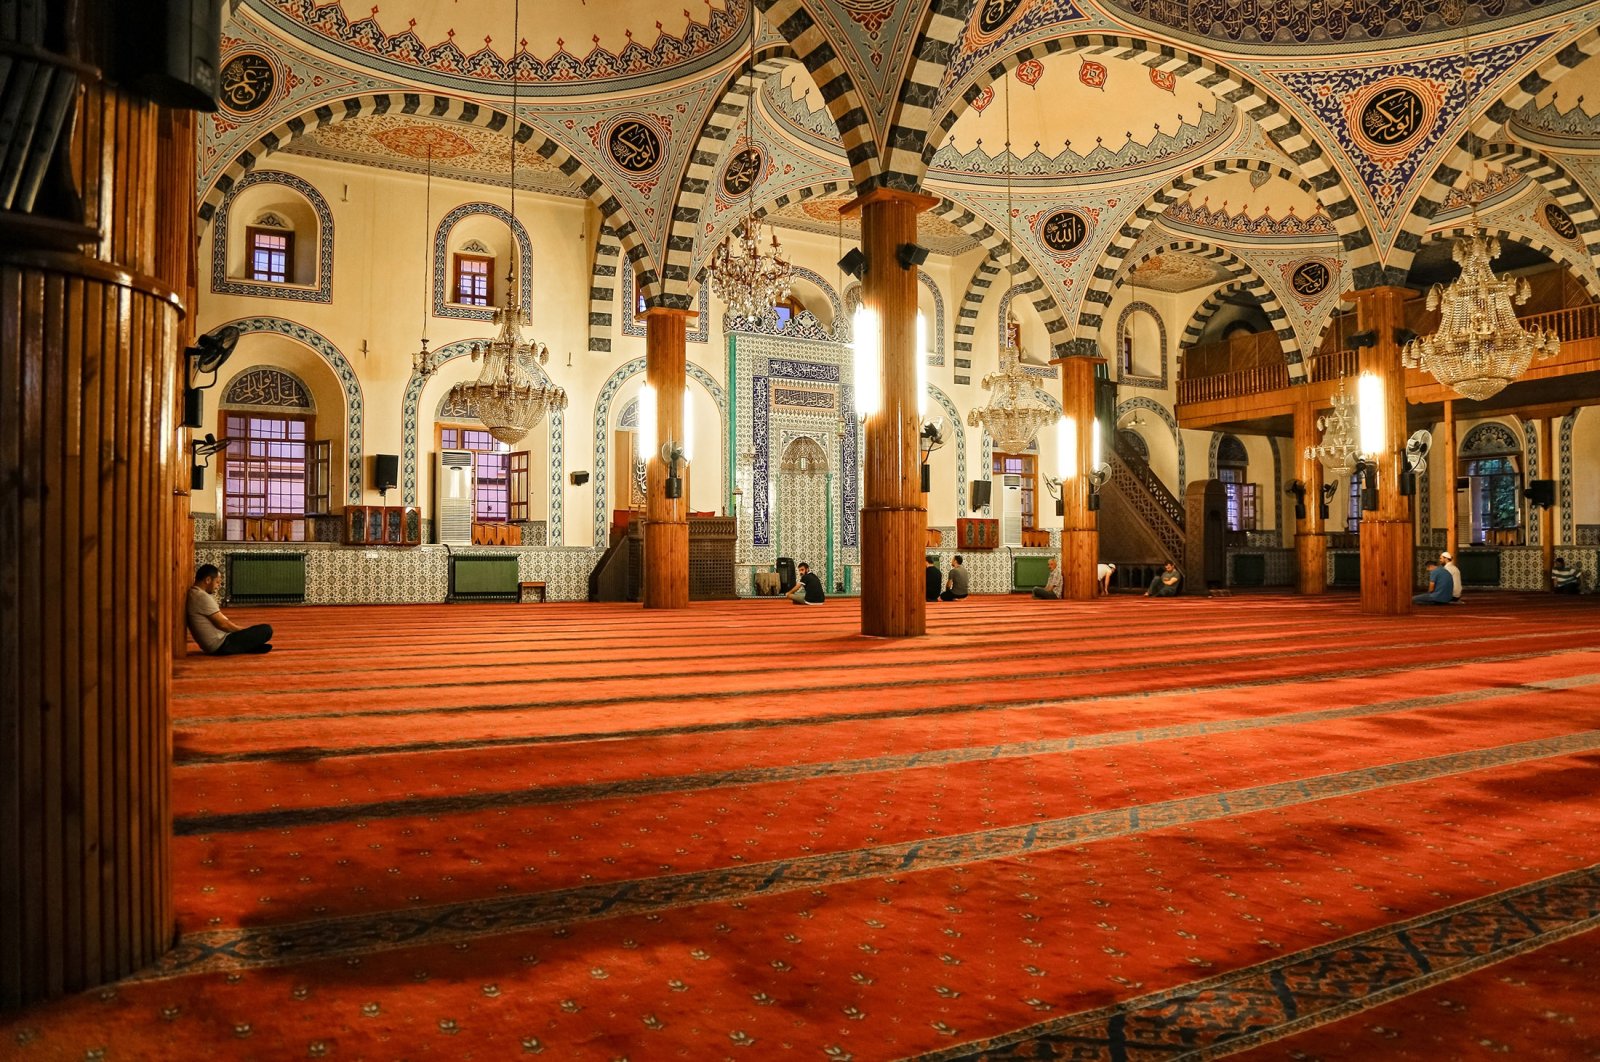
664, 311
890, 195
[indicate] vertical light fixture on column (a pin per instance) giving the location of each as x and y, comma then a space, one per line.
1370, 421
922, 364
868, 362
688, 426
1067, 448
647, 415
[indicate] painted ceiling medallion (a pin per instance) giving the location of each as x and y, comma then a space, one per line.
984, 98
1092, 74
425, 141
743, 171
1064, 231
1391, 117
247, 82
1559, 221
870, 15
990, 21
1310, 279
1165, 80
635, 146
1029, 71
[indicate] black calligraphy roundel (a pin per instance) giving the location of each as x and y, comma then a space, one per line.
994, 14
1392, 116
634, 146
247, 83
743, 171
1064, 231
1310, 278
1560, 221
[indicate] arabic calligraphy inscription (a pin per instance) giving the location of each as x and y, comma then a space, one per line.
1560, 221
1064, 231
634, 146
1310, 278
247, 83
743, 171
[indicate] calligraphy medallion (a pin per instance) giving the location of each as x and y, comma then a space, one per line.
1560, 221
635, 146
743, 171
990, 21
1390, 118
247, 82
1064, 231
1310, 279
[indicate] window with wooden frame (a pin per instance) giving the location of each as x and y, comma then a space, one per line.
270, 254
493, 462
264, 476
1027, 467
1232, 469
1352, 519
786, 308
474, 279
517, 466
319, 479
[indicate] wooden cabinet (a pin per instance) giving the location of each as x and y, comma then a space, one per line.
977, 533
497, 534
382, 525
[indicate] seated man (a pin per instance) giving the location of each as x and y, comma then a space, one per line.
1441, 588
1104, 572
1565, 580
808, 591
216, 634
1447, 561
931, 579
1167, 583
1051, 590
957, 588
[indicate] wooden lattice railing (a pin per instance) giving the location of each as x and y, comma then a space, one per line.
1149, 508
1140, 469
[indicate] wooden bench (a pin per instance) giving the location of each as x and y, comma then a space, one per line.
524, 589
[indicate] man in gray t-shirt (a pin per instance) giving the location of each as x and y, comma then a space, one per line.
956, 589
216, 634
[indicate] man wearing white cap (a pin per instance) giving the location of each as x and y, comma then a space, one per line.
1449, 561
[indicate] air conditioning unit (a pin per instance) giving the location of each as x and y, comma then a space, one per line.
1011, 511
452, 497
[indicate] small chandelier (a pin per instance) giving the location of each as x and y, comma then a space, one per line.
1479, 346
1015, 413
509, 395
1340, 449
751, 282
425, 361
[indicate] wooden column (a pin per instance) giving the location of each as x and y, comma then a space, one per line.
1080, 529
894, 515
88, 460
1310, 535
1452, 515
1547, 515
1386, 534
666, 520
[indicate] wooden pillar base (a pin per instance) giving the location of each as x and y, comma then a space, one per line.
893, 558
1080, 559
1386, 567
1311, 563
666, 551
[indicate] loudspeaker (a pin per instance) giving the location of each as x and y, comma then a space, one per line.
194, 408
1541, 492
579, 478
170, 51
1408, 482
1092, 502
980, 493
385, 472
673, 487
1462, 483
1061, 507
1300, 510
197, 477
927, 478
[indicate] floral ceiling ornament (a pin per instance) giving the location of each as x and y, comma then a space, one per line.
1029, 71
511, 393
1093, 74
1165, 80
750, 280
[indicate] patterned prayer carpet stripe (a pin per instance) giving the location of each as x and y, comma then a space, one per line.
356, 935
207, 824
1273, 1000
189, 757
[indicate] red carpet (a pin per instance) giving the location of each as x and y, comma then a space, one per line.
1123, 830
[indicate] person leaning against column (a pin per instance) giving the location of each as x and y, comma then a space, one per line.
215, 633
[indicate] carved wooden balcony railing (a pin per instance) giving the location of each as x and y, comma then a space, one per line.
1232, 384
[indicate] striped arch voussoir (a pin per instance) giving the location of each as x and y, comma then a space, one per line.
1556, 181
1459, 158
906, 163
1568, 256
607, 273
1022, 274
978, 288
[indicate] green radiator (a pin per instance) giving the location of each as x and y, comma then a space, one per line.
483, 578
1347, 569
1029, 572
267, 578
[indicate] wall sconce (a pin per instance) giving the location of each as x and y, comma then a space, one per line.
910, 254
1371, 416
1066, 448
854, 263
868, 375
207, 355
1298, 489
204, 449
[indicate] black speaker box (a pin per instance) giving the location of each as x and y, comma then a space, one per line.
1541, 492
1408, 482
194, 408
385, 471
579, 478
980, 493
927, 478
1462, 483
170, 51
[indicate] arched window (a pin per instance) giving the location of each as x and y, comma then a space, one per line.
1233, 466
1130, 442
1491, 459
273, 238
275, 472
472, 274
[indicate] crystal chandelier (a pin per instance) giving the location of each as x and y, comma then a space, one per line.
1015, 413
1479, 346
751, 282
510, 395
1340, 449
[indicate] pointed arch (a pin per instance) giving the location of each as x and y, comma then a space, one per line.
1457, 159
1022, 272
1571, 257
959, 430
1317, 168
1554, 179
442, 307
983, 279
911, 122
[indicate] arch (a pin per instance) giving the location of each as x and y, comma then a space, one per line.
267, 387
1556, 181
632, 326
603, 289
602, 420
957, 428
355, 410
222, 284
937, 358
1570, 257
1022, 271
441, 238
1458, 157
1276, 121
911, 122
410, 426
1132, 379
820, 189
1152, 406
1245, 277
439, 108
1103, 281
1227, 449
978, 287
1490, 439
812, 49
803, 325
1000, 329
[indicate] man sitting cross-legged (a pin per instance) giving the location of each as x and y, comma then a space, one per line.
216, 634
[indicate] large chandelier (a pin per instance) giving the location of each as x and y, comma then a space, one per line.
510, 395
1479, 346
1340, 450
749, 280
1015, 413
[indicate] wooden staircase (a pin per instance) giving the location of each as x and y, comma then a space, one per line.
1142, 523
